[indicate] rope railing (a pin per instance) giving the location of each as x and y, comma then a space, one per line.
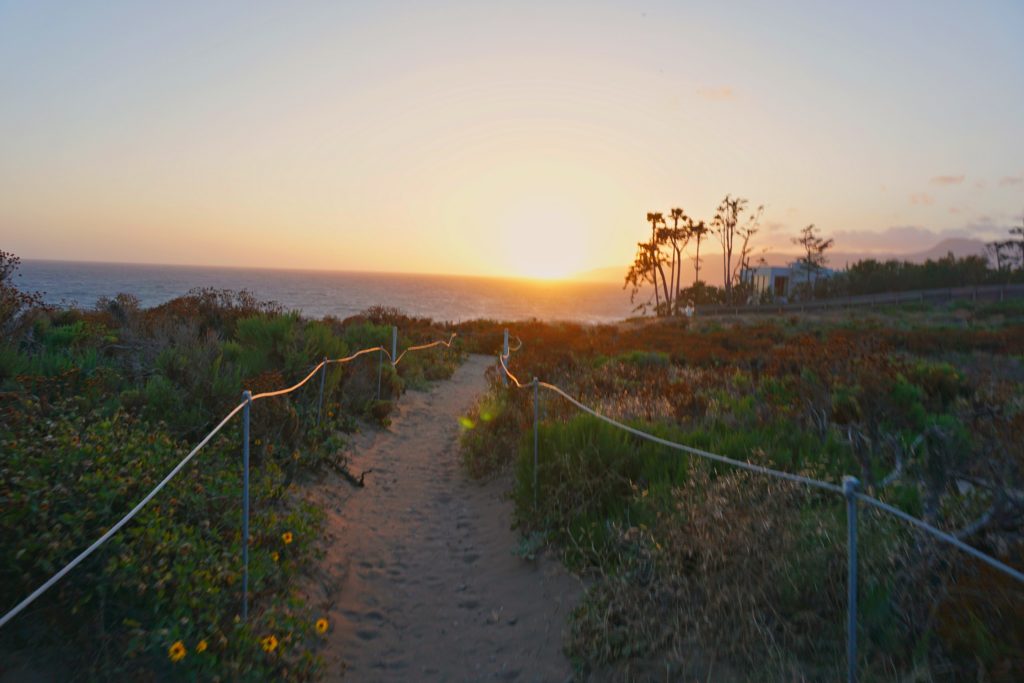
848, 490
120, 523
751, 467
942, 535
242, 407
282, 392
421, 347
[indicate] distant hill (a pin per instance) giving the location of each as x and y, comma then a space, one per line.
960, 246
606, 274
711, 261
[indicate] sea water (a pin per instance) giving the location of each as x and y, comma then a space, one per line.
340, 294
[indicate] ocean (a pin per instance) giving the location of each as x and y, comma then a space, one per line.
341, 294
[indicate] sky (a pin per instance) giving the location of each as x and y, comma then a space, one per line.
504, 138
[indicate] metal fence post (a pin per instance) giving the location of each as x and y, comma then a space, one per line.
394, 343
536, 427
323, 377
850, 485
504, 355
247, 397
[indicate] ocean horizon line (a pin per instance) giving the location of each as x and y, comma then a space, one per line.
326, 271
339, 293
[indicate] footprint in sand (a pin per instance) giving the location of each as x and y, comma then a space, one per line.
451, 533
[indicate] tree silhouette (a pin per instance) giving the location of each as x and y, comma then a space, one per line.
12, 300
814, 247
745, 233
997, 251
728, 225
733, 226
698, 231
1016, 242
640, 273
677, 237
656, 258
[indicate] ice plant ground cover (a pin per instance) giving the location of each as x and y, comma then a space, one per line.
697, 567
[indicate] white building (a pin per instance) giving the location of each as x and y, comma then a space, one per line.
781, 282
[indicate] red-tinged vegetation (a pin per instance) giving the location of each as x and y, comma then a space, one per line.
693, 562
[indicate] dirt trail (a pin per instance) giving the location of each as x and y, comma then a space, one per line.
420, 581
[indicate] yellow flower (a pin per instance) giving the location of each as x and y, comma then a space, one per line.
321, 626
269, 644
275, 556
177, 651
286, 537
201, 647
295, 455
258, 442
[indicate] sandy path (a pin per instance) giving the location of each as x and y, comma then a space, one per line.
419, 581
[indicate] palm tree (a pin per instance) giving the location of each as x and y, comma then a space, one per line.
655, 219
679, 236
698, 230
676, 215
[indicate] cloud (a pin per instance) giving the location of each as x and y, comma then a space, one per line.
895, 238
716, 94
947, 179
913, 238
921, 199
1011, 180
774, 226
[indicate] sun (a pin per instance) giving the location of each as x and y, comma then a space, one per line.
542, 240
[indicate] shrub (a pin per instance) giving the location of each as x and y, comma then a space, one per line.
173, 573
684, 555
97, 406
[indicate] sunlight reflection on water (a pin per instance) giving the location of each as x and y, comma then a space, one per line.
318, 293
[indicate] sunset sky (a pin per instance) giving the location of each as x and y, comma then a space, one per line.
504, 138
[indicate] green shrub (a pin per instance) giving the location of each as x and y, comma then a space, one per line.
270, 341
173, 573
645, 358
99, 405
491, 432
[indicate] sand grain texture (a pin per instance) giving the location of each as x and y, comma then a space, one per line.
419, 580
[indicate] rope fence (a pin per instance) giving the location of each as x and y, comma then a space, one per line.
244, 407
848, 490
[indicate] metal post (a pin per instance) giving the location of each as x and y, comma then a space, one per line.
247, 397
323, 377
380, 369
394, 344
536, 420
504, 354
850, 485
